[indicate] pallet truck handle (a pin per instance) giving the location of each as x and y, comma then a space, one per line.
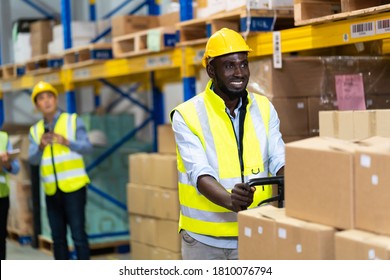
275, 180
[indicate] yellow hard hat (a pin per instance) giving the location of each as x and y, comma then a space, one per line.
224, 41
42, 87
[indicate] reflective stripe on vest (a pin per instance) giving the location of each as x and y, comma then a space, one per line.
4, 188
206, 117
69, 165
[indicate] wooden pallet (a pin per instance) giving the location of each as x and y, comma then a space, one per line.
144, 42
11, 71
197, 31
46, 245
87, 55
307, 12
43, 64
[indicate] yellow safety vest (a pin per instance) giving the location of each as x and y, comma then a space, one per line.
69, 170
206, 117
4, 188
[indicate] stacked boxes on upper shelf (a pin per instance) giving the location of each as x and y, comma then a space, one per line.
82, 33
41, 34
152, 199
304, 86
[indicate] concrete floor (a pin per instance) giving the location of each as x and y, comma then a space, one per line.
16, 251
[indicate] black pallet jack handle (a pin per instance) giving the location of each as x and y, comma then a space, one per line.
275, 180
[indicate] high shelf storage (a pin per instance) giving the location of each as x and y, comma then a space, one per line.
182, 62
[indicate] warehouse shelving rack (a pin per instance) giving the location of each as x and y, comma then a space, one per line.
186, 59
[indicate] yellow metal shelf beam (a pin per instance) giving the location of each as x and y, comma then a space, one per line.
330, 34
70, 77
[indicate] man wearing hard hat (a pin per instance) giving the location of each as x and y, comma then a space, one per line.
57, 143
225, 136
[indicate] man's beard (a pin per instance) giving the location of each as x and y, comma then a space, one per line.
231, 94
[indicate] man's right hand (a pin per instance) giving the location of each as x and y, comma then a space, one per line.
242, 196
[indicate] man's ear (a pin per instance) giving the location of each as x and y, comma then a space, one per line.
210, 70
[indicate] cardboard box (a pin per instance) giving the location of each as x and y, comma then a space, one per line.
256, 233
155, 232
143, 229
319, 181
336, 124
160, 170
39, 47
372, 180
140, 251
125, 24
153, 201
300, 240
41, 34
361, 245
168, 19
293, 116
139, 199
299, 77
166, 139
136, 167
371, 123
267, 233
354, 125
314, 76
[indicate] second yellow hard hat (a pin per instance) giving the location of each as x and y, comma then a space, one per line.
42, 87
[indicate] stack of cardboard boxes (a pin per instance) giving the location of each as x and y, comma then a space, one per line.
335, 200
82, 33
152, 200
41, 33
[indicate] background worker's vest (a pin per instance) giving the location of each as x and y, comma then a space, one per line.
4, 188
206, 117
69, 170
